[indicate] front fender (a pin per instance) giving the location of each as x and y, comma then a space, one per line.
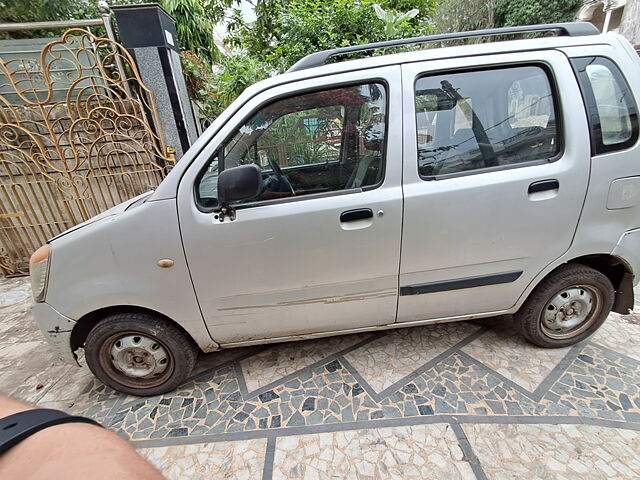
114, 262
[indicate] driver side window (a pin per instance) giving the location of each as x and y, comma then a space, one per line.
312, 143
308, 137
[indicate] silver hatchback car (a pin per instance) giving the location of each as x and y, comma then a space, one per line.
419, 187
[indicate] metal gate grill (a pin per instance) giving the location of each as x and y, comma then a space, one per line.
79, 134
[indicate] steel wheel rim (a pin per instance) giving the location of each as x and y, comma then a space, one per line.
571, 311
117, 358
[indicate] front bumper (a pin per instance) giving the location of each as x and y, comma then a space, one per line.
56, 328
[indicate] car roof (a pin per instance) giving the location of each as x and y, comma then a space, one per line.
567, 29
521, 45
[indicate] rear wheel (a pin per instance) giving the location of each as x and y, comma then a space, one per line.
567, 307
139, 354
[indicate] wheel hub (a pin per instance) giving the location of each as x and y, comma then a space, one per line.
139, 356
569, 310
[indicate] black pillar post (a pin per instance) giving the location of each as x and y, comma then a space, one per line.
148, 32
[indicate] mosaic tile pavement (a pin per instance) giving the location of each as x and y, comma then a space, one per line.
577, 451
413, 452
460, 400
240, 459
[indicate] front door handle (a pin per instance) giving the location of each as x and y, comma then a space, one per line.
543, 185
354, 215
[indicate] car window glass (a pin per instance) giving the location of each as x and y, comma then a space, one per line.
316, 142
613, 110
470, 121
208, 184
528, 105
462, 115
307, 137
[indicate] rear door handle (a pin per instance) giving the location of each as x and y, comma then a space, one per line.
543, 185
354, 215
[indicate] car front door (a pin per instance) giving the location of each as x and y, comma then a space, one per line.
318, 250
496, 169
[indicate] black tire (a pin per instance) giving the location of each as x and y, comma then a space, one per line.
566, 279
166, 354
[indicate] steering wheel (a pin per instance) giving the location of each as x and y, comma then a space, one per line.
280, 174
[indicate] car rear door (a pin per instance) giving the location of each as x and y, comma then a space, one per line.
496, 167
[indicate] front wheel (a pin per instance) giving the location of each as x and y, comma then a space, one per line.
567, 307
139, 354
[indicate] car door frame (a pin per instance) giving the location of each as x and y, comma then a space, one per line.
391, 186
571, 114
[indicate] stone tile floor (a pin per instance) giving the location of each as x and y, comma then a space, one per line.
463, 400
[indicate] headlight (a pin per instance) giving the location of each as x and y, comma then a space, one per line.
39, 272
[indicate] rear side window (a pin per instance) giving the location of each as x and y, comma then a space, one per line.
611, 109
486, 119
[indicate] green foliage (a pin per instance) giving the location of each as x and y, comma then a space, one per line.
262, 28
200, 84
393, 21
16, 11
286, 31
462, 15
235, 73
426, 8
195, 22
212, 90
530, 12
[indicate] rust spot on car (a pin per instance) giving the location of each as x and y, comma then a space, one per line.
211, 347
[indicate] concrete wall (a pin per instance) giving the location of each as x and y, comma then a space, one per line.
630, 25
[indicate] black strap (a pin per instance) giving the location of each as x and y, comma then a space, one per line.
17, 427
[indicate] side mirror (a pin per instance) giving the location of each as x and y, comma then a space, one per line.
238, 183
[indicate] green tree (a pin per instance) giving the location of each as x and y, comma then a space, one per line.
462, 15
393, 21
234, 74
530, 12
425, 8
195, 20
288, 30
16, 11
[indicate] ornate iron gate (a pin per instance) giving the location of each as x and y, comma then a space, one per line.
79, 133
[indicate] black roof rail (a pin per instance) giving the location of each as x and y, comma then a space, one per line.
570, 29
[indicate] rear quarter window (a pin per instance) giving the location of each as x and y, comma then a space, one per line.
611, 108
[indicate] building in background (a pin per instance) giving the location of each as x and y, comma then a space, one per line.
604, 14
621, 16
